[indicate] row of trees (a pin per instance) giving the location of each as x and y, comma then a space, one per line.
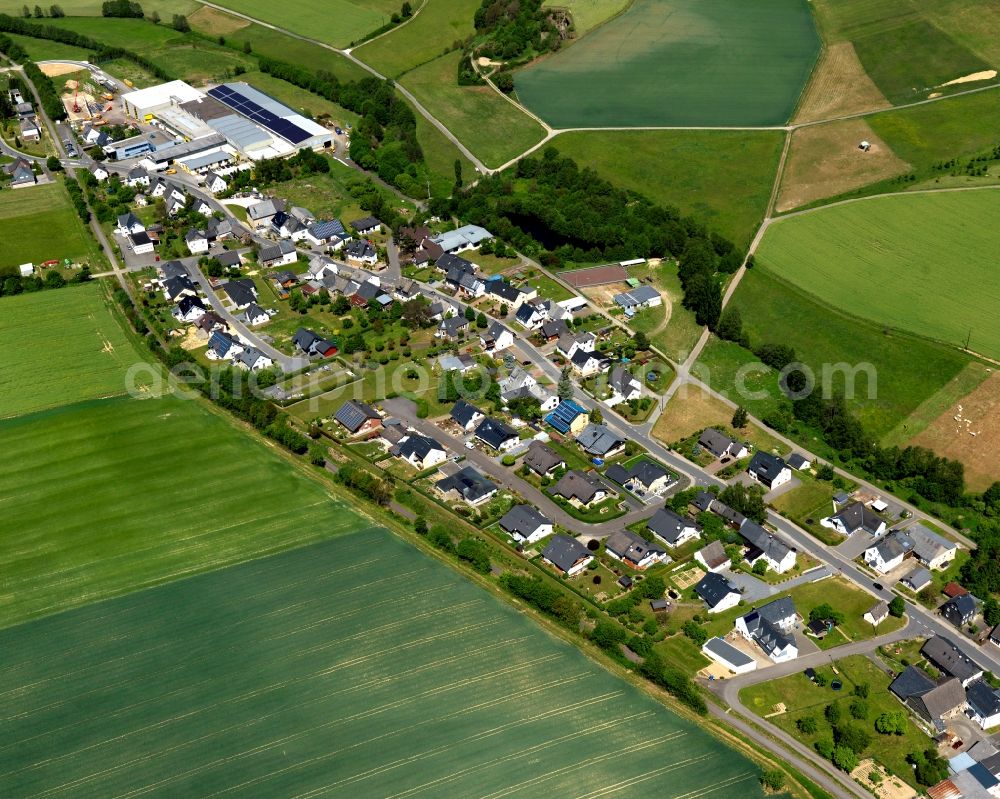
47, 91
11, 281
121, 8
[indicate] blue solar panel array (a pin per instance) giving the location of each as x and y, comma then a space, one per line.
261, 116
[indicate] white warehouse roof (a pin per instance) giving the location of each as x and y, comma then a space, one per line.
163, 94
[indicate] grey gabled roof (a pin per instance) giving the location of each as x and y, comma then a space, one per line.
629, 546
857, 516
597, 439
714, 554
503, 290
578, 485
494, 432
778, 610
983, 698
714, 588
727, 652
274, 250
464, 412
353, 414
940, 700
523, 520
918, 578
239, 292
668, 525
418, 445
715, 442
621, 379
564, 552
767, 465
541, 458
582, 357
944, 654
469, 483
960, 609
761, 539
911, 682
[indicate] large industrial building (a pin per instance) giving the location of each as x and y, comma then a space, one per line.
230, 121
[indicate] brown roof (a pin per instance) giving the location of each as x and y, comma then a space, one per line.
714, 555
953, 590
944, 790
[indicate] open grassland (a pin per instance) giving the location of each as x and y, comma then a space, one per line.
92, 8
697, 62
691, 409
924, 263
973, 23
136, 493
440, 156
431, 32
86, 354
356, 667
38, 224
839, 86
968, 431
723, 178
588, 14
338, 22
825, 161
908, 369
492, 128
45, 50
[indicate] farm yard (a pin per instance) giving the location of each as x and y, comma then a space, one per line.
86, 352
270, 692
922, 263
685, 67
45, 208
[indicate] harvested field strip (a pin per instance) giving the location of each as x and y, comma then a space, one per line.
839, 86
337, 680
60, 346
137, 492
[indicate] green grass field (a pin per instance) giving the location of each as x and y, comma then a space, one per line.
722, 178
86, 354
432, 32
337, 22
588, 14
92, 8
909, 370
687, 64
26, 212
45, 50
356, 667
917, 262
485, 122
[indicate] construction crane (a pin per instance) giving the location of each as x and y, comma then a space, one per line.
76, 103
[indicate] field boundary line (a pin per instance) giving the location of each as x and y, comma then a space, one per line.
393, 29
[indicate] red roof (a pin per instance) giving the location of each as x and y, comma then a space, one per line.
952, 590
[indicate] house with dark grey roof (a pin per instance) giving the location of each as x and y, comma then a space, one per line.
623, 384
365, 225
717, 592
466, 415
253, 360
763, 545
448, 262
542, 459
911, 682
496, 338
943, 701
580, 489
960, 610
497, 435
713, 557
769, 470
309, 342
358, 418
361, 251
634, 550
983, 704
240, 292
888, 552
222, 346
329, 233
196, 241
469, 485
951, 660
917, 580
421, 452
452, 327
525, 524
771, 627
642, 477
570, 343
567, 555
554, 329
702, 501
720, 445
531, 315
672, 528
278, 253
799, 462
724, 653
584, 363
130, 223
188, 309
877, 613
176, 287
854, 517
598, 440
255, 315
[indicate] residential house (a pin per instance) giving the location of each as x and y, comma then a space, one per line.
312, 343
771, 628
460, 363
366, 225
623, 385
554, 329
279, 253
569, 344
854, 517
581, 489
542, 459
196, 241
177, 287
421, 452
512, 296
29, 129
140, 200
141, 243
174, 206
727, 655
525, 524
253, 360
207, 324
130, 223
171, 269
713, 557
567, 555
531, 315
917, 580
215, 183
188, 309
673, 529
330, 233
762, 545
322, 265
799, 462
219, 230
467, 237
285, 279
931, 549
222, 346
949, 659
452, 327
638, 298
642, 477
932, 701
496, 339
255, 315
259, 215
240, 292
137, 177
598, 440
466, 415
983, 704
360, 251
960, 610
568, 418
717, 592
720, 445
286, 226
497, 435
877, 613
449, 263
358, 418
99, 172
634, 550
519, 383
21, 173
469, 485
200, 206
769, 470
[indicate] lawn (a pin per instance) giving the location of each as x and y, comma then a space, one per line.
45, 50
463, 110
440, 156
907, 370
722, 178
60, 346
337, 22
26, 212
691, 410
849, 600
326, 195
804, 698
85, 8
706, 62
588, 14
807, 504
930, 256
431, 32
322, 685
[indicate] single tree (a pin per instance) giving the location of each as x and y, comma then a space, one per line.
897, 607
740, 418
565, 388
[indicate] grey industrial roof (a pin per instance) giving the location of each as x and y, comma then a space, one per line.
727, 652
240, 131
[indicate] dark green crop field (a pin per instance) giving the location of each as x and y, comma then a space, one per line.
679, 62
358, 667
